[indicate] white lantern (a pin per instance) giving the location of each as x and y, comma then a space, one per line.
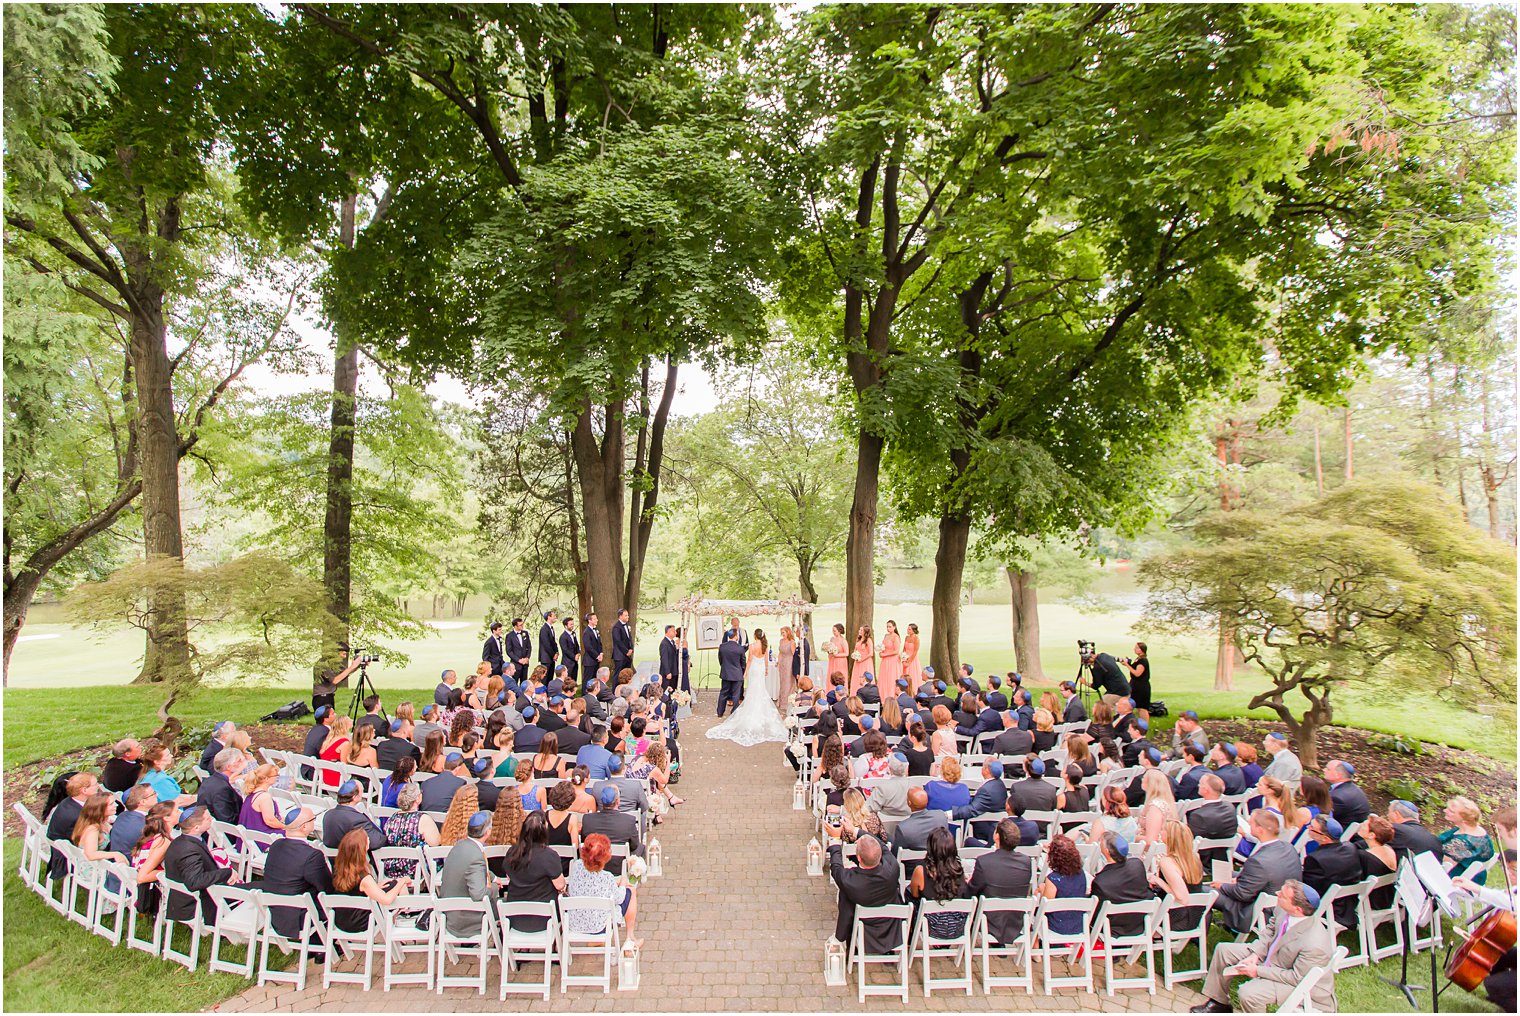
834, 963
814, 857
654, 856
628, 968
799, 796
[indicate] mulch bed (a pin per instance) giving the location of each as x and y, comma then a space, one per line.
1443, 771
23, 783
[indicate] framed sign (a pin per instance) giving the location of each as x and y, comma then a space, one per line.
709, 632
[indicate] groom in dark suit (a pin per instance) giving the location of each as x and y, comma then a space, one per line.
670, 659
730, 671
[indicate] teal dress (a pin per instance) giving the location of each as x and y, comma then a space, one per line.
1459, 849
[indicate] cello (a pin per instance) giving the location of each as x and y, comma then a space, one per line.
1494, 936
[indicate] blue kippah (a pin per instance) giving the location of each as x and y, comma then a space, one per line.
913, 718
1142, 725
556, 700
1311, 894
427, 710
995, 768
608, 795
1228, 749
615, 764
1350, 771
969, 669
349, 787
292, 815
396, 726
929, 671
1274, 735
1193, 716
866, 723
1037, 768
939, 686
902, 682
1121, 846
443, 673
995, 681
899, 756
527, 712
480, 766
1154, 754
478, 821
322, 711
1018, 678
453, 759
1332, 827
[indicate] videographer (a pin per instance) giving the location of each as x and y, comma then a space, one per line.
328, 675
1139, 667
1107, 679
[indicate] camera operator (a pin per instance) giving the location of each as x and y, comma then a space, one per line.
1107, 679
1139, 667
328, 675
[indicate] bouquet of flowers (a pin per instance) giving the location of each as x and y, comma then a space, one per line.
904, 657
635, 869
681, 698
791, 721
855, 656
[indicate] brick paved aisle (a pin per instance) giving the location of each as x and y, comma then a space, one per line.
714, 942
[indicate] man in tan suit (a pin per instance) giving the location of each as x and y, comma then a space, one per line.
1275, 963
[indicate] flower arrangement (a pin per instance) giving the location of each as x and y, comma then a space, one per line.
791, 721
681, 698
635, 869
855, 656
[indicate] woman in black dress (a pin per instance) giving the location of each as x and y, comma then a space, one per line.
533, 870
916, 747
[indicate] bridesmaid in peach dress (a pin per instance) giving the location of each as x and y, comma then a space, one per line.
891, 661
865, 651
912, 669
838, 651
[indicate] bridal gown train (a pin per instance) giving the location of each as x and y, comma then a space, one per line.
756, 720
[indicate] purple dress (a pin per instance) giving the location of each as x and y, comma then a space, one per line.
249, 817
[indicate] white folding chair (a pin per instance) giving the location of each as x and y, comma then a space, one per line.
1173, 939
33, 847
239, 915
1261, 908
1012, 951
1374, 917
365, 942
1134, 944
429, 873
153, 944
1076, 946
402, 937
1325, 913
411, 856
534, 946
958, 949
905, 873
85, 881
1299, 998
312, 927
606, 943
115, 908
901, 913
479, 940
196, 925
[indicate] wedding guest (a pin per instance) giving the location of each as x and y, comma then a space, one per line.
156, 760
1274, 966
991, 798
438, 792
506, 826
465, 874
655, 767
943, 742
408, 827
1080, 755
1114, 815
259, 811
92, 829
332, 747
1101, 725
1270, 865
1003, 874
1179, 872
915, 747
429, 725
1122, 879
338, 821
128, 827
1346, 799
1378, 857
872, 882
1466, 841
1064, 879
1333, 863
533, 870
1188, 731
1074, 797
889, 800
1044, 731
216, 791
221, 734
589, 877
941, 878
1284, 765
351, 877
1072, 710
1409, 835
123, 768
465, 803
188, 861
1014, 740
404, 773
912, 833
546, 764
1032, 793
1250, 770
390, 751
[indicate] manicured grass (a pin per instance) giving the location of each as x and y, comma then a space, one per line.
53, 965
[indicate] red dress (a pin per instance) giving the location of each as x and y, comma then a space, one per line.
332, 753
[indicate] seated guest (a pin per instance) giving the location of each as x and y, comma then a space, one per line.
1072, 710
1044, 733
1003, 874
123, 768
128, 827
399, 745
455, 825
1110, 757
532, 734
1160, 807
506, 826
595, 756
1113, 816
1149, 762
1064, 879
465, 873
875, 756
1377, 857
856, 820
890, 720
1124, 720
857, 747
1333, 863
260, 812
985, 720
615, 824
157, 760
1409, 835
589, 876
840, 779
547, 765
996, 699
872, 882
360, 750
1466, 840
434, 753
948, 792
889, 800
1346, 798
334, 747
1101, 726
1032, 793
1023, 708
220, 735
1073, 798
915, 747
92, 829
1272, 863
438, 792
633, 796
408, 827
404, 773
1214, 819
337, 822
486, 791
1284, 765
941, 878
1196, 758
869, 693
1080, 755
913, 832
533, 871
1250, 771
294, 867
1013, 740
1139, 744
216, 791
429, 724
499, 745
1223, 757
188, 861
991, 798
149, 852
1122, 879
351, 877
1188, 731
372, 718
1274, 965
1179, 872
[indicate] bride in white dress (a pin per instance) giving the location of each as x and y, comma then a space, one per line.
756, 720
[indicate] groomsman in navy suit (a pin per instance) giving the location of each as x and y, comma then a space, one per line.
548, 644
570, 649
622, 644
591, 650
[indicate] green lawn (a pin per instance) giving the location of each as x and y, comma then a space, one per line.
52, 965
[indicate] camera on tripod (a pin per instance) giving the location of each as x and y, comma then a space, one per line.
1086, 648
365, 659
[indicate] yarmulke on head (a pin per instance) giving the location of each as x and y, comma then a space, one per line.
479, 821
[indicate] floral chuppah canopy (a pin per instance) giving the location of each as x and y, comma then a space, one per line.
794, 607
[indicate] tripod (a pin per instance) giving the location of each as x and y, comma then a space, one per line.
1085, 690
363, 688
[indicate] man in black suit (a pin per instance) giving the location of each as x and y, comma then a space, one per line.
1213, 819
1074, 711
987, 720
871, 883
1333, 863
1223, 756
1014, 740
486, 791
570, 649
122, 769
438, 791
912, 833
1003, 874
869, 694
548, 641
939, 698
373, 716
1140, 744
336, 822
188, 861
60, 825
996, 700
220, 735
1023, 708
591, 651
293, 867
622, 645
1196, 757
1032, 793
530, 735
492, 652
730, 672
519, 648
216, 793
991, 798
1346, 798
1149, 759
804, 652
1272, 863
612, 822
397, 746
1410, 837
670, 660
320, 728
1121, 880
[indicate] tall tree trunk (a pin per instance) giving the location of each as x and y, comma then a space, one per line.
573, 525
1349, 471
599, 467
337, 524
860, 545
1435, 432
1026, 625
646, 495
1224, 656
945, 608
167, 658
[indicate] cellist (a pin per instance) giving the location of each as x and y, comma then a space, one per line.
1499, 985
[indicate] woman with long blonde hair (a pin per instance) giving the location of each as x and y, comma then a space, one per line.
1160, 806
1179, 872
333, 747
456, 823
